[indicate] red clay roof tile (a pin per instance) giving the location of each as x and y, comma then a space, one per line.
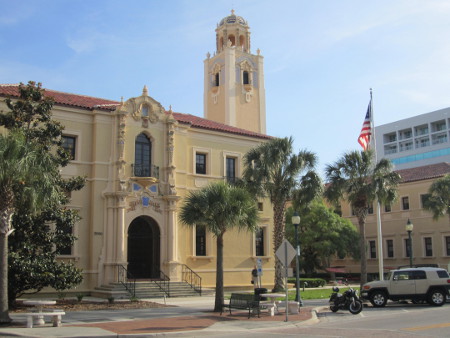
425, 172
91, 103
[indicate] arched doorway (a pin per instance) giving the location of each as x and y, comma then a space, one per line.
143, 248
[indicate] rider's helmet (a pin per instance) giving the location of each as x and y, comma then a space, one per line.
335, 289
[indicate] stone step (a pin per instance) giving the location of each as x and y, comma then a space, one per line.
146, 289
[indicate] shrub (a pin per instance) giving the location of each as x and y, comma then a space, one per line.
309, 282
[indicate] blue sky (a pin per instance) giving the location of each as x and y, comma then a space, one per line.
321, 57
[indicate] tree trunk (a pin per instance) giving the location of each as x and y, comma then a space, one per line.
4, 315
278, 236
362, 243
5, 223
219, 275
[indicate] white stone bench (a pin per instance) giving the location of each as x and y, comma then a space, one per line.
56, 317
293, 306
266, 305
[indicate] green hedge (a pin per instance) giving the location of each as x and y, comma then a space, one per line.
309, 282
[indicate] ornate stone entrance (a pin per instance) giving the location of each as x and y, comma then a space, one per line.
143, 248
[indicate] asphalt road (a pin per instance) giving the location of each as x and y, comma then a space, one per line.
395, 320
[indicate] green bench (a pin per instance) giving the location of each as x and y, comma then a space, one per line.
243, 301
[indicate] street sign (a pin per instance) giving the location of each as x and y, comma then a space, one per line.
285, 253
259, 266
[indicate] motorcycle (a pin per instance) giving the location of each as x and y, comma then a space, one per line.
349, 300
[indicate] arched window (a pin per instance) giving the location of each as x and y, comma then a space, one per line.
246, 78
216, 80
144, 110
232, 38
241, 41
142, 156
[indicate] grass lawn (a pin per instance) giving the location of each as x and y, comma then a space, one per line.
316, 293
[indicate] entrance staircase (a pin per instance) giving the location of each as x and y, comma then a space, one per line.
129, 287
146, 289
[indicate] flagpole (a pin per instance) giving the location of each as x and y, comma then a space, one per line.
379, 233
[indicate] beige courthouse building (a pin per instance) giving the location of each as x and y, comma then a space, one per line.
141, 160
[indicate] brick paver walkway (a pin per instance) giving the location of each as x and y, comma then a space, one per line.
189, 323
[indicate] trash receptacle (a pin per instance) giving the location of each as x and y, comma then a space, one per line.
259, 291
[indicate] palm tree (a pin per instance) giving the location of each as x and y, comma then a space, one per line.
22, 166
357, 179
219, 207
272, 169
439, 201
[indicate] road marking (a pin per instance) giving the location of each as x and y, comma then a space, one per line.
434, 326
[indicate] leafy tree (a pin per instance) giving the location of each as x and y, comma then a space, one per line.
357, 179
272, 169
26, 181
439, 200
219, 208
33, 246
322, 234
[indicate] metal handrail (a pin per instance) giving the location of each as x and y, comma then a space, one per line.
192, 278
126, 279
145, 170
164, 283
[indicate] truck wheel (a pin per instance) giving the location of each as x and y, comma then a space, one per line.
436, 297
378, 298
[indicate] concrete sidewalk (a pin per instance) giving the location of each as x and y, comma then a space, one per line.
191, 316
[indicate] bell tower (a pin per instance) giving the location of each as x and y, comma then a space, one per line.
234, 91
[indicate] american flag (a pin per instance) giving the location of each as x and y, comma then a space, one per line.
366, 131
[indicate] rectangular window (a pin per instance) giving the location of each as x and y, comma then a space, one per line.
424, 198
200, 241
260, 206
373, 249
402, 275
447, 245
259, 242
428, 246
63, 249
69, 144
418, 274
405, 203
407, 247
231, 169
370, 209
390, 248
387, 208
200, 164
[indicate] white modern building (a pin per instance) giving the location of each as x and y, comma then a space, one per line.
415, 141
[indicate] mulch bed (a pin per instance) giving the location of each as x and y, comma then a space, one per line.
74, 305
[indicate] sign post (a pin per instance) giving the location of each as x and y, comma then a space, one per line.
286, 253
259, 269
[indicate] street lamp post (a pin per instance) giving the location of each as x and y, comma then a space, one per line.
409, 228
296, 221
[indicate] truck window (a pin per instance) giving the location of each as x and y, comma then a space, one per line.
419, 274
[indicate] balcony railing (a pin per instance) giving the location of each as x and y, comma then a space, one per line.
145, 170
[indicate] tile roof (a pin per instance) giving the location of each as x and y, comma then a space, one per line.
423, 173
66, 99
91, 103
202, 123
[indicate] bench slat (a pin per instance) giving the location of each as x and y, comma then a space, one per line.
243, 302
